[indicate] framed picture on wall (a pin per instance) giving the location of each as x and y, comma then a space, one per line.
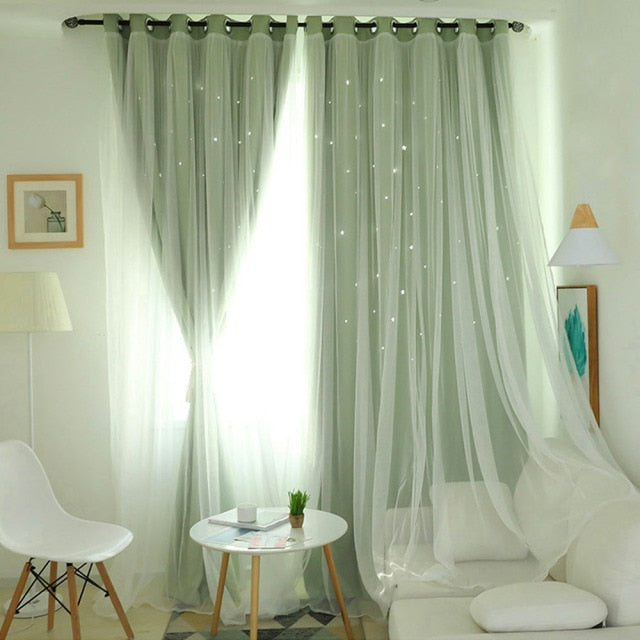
45, 211
578, 331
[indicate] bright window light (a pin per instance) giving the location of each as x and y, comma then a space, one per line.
260, 362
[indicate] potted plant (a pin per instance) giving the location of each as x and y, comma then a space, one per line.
297, 503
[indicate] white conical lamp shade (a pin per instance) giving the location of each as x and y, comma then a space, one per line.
32, 302
584, 244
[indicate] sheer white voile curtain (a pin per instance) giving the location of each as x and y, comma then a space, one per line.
373, 343
437, 308
206, 246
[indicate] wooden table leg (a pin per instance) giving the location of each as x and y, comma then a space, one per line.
336, 586
255, 584
218, 606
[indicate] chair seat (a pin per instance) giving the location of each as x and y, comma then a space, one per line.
75, 541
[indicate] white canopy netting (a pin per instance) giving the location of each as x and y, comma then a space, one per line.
441, 381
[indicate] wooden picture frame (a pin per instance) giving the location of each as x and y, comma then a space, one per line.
578, 322
45, 211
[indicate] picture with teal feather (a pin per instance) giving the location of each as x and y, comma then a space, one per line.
574, 329
577, 337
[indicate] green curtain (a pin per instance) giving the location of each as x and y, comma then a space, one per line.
406, 116
199, 110
391, 155
384, 111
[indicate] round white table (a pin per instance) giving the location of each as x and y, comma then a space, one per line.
320, 529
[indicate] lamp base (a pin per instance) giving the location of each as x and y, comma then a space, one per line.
37, 608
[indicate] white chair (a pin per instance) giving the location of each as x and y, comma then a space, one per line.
32, 523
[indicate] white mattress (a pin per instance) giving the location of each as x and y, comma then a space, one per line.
431, 618
472, 577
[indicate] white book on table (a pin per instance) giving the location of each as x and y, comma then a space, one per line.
265, 519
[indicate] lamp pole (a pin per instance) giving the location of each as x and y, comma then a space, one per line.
29, 303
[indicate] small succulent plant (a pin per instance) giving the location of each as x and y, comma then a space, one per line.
297, 502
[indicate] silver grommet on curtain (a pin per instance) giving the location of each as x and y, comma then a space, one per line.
467, 26
179, 22
217, 24
384, 24
111, 23
138, 22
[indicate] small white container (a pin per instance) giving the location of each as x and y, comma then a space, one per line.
247, 512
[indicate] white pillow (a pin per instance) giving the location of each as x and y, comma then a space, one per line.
537, 606
474, 529
605, 559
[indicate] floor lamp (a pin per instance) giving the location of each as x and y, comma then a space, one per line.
32, 303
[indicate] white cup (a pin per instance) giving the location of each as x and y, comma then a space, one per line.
247, 512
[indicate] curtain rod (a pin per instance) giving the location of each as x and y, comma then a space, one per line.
74, 22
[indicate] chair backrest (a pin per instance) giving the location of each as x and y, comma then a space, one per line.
27, 501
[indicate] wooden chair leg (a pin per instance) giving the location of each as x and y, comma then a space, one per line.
73, 602
117, 605
11, 611
51, 611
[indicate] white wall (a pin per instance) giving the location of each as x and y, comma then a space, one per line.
49, 123
599, 68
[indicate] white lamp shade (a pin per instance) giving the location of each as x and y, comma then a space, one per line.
584, 244
32, 302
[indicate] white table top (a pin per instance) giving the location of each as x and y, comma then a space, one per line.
320, 528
